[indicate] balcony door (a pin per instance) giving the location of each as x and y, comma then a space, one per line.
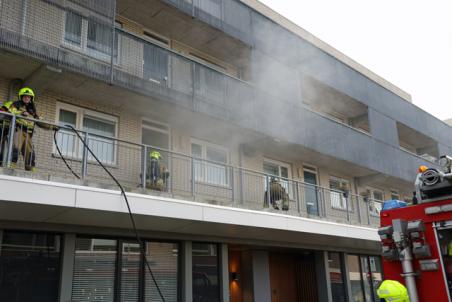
280, 171
310, 191
156, 135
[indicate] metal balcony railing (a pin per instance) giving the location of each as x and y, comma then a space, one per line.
175, 174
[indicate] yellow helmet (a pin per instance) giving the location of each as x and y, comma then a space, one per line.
26, 91
393, 291
155, 154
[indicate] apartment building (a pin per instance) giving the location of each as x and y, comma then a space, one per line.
234, 97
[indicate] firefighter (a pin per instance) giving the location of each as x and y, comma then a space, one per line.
4, 128
22, 140
277, 192
158, 173
393, 291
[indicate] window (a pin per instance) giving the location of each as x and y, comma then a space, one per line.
111, 270
339, 189
205, 272
335, 267
94, 270
355, 278
375, 199
211, 164
90, 35
365, 276
102, 129
371, 272
163, 258
29, 266
155, 64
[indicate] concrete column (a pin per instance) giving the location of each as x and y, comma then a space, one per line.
67, 267
187, 267
323, 276
224, 270
261, 277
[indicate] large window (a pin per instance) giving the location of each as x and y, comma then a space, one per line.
205, 272
355, 279
90, 35
29, 267
210, 165
339, 190
94, 270
375, 200
101, 128
111, 270
337, 283
155, 64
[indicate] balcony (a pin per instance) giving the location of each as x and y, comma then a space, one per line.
180, 176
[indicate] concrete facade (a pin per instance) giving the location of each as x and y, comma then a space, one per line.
242, 84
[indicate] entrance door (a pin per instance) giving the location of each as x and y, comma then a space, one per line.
311, 197
292, 277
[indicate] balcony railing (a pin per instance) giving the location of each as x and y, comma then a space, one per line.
176, 175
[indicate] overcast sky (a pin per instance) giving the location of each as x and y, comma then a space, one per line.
409, 43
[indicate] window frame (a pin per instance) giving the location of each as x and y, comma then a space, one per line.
204, 145
279, 164
83, 47
373, 210
343, 201
287, 183
165, 129
80, 112
120, 241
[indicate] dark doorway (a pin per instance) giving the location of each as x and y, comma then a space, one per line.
29, 267
293, 277
311, 197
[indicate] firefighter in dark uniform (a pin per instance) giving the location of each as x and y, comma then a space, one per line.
277, 192
22, 141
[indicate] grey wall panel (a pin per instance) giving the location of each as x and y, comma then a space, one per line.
336, 140
383, 128
336, 74
261, 276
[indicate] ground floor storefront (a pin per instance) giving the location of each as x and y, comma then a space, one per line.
40, 265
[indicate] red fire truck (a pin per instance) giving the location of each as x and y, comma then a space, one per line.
416, 240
